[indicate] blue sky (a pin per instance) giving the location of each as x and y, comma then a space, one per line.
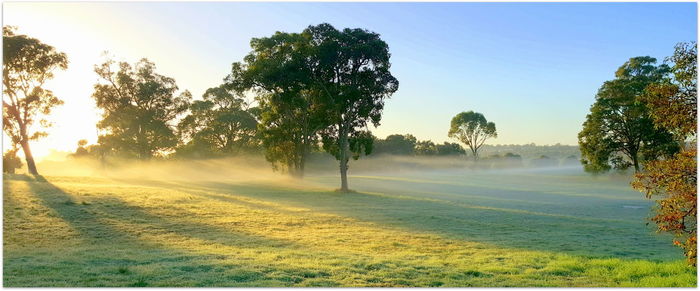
532, 68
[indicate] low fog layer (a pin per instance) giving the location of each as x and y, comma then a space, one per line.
256, 168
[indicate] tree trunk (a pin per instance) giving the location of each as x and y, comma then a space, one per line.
635, 162
28, 155
302, 162
344, 147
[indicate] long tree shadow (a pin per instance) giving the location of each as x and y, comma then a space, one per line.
500, 227
115, 229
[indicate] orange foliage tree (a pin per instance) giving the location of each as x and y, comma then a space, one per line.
673, 105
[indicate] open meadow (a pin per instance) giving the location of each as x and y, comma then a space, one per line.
437, 227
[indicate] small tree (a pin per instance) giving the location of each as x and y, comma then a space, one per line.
449, 149
81, 151
10, 161
472, 129
28, 64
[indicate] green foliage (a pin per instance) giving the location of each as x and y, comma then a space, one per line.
350, 72
289, 116
220, 124
448, 149
321, 82
360, 143
138, 109
425, 148
472, 129
27, 65
407, 144
619, 132
397, 144
10, 161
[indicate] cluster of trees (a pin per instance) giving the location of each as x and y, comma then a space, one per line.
408, 145
646, 118
317, 89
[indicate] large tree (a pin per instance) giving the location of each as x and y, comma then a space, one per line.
221, 123
278, 72
673, 180
619, 132
350, 72
27, 65
472, 129
139, 109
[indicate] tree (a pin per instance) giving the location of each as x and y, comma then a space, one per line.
10, 161
449, 149
139, 107
619, 132
278, 72
674, 180
396, 144
673, 101
28, 64
472, 129
350, 72
221, 123
425, 148
673, 106
81, 151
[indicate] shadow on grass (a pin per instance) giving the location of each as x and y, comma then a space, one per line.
509, 228
102, 223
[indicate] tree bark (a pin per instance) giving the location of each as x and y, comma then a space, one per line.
344, 147
27, 151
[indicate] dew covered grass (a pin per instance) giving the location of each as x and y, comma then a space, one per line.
431, 229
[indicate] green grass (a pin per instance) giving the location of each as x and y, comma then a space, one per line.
437, 229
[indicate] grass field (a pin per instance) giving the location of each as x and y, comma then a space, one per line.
436, 228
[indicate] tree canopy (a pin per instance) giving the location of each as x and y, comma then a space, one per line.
278, 72
139, 108
472, 129
27, 65
321, 84
396, 144
221, 123
619, 132
673, 101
